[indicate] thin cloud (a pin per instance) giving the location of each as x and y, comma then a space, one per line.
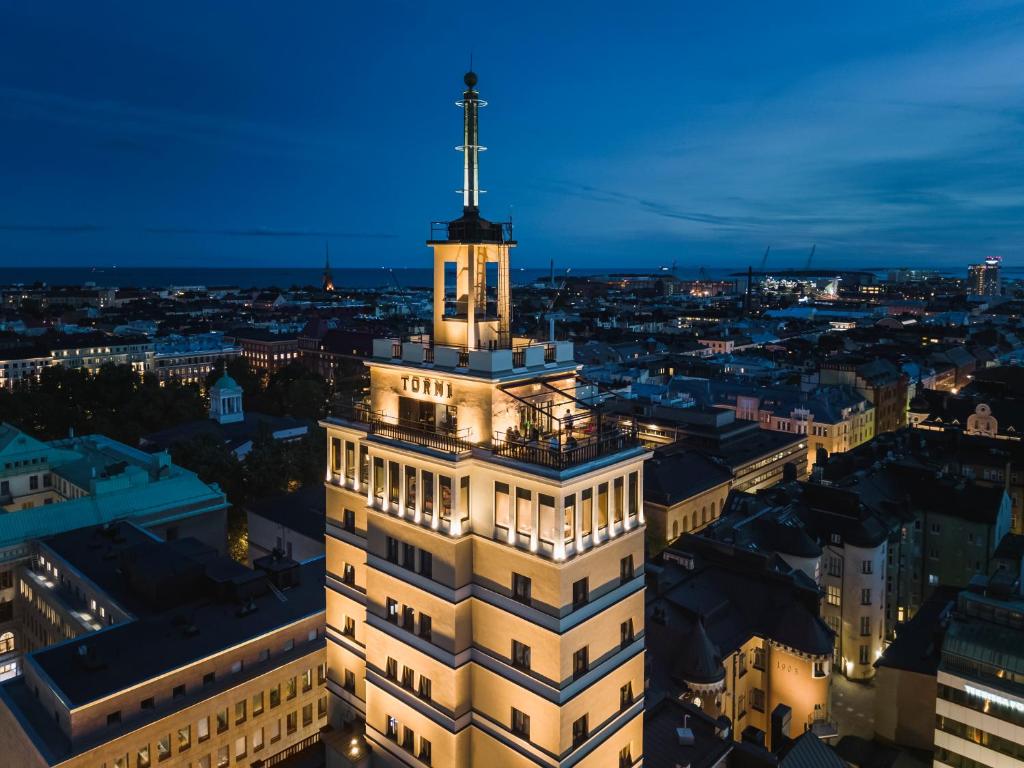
268, 232
57, 229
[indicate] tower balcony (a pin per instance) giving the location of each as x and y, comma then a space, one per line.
493, 361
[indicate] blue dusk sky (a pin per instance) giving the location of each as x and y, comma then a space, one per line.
230, 133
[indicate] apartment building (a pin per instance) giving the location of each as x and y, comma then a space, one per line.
738, 633
173, 655
265, 350
50, 487
485, 538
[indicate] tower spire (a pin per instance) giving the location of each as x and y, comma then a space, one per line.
471, 103
328, 282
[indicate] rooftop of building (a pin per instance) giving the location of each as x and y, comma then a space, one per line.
302, 511
662, 748
674, 476
732, 594
188, 602
120, 482
918, 643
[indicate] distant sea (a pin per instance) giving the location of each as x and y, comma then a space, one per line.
160, 277
404, 277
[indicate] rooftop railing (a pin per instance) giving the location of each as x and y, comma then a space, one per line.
436, 437
559, 454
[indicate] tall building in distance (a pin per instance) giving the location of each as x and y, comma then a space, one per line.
983, 279
485, 535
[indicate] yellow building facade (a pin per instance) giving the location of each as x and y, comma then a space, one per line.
485, 539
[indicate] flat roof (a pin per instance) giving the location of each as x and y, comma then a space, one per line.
166, 633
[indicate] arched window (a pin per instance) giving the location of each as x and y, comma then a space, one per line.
6, 642
675, 529
704, 514
695, 523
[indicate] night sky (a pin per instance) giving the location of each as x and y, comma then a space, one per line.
231, 133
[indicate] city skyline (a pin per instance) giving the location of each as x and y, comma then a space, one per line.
883, 136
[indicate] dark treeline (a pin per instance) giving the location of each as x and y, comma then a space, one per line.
126, 405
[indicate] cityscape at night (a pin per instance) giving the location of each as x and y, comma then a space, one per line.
687, 433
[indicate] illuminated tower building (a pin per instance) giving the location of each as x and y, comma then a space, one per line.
485, 536
328, 283
983, 279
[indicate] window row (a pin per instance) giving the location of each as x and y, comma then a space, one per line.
242, 746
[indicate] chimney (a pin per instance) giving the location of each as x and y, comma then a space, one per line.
782, 715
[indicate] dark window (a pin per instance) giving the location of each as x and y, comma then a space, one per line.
178, 692
350, 681
348, 521
626, 569
408, 618
580, 662
392, 610
391, 729
424, 689
520, 723
408, 677
409, 556
391, 668
114, 718
146, 703
349, 574
392, 553
521, 588
626, 633
625, 695
520, 655
209, 678
408, 738
580, 731
580, 593
424, 751
426, 564
425, 626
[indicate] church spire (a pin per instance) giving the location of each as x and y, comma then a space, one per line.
328, 283
470, 148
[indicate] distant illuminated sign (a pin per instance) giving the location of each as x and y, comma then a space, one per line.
995, 698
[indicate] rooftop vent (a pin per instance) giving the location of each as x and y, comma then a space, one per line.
684, 737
